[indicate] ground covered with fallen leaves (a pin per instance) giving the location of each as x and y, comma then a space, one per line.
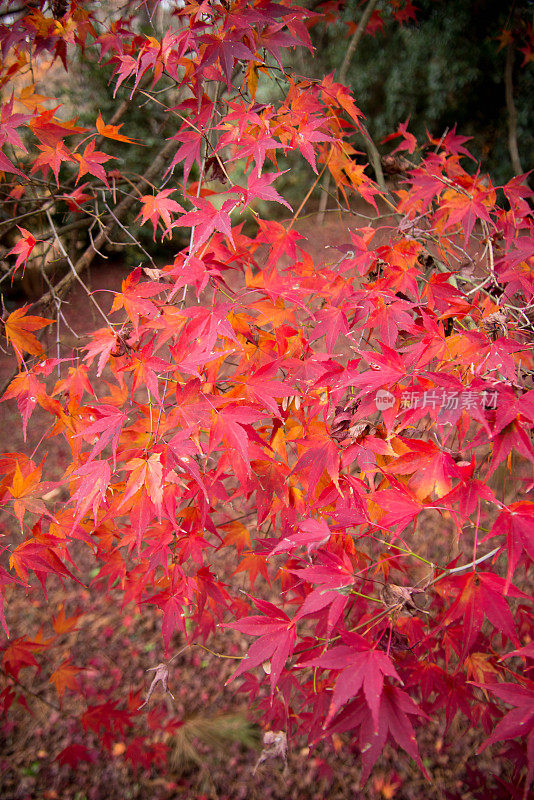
210, 746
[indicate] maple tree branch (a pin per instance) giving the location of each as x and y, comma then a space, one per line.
120, 212
33, 694
469, 566
512, 111
153, 437
127, 232
308, 193
356, 37
370, 146
12, 11
12, 221
374, 156
75, 274
219, 655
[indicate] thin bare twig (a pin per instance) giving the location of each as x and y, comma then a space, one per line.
75, 274
120, 212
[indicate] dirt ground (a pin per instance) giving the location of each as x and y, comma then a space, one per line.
212, 744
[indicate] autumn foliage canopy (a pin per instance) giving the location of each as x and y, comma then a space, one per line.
259, 442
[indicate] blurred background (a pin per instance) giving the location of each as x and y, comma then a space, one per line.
440, 64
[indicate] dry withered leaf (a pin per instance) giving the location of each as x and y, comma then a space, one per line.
397, 598
274, 746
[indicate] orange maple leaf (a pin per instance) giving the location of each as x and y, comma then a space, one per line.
23, 490
236, 534
29, 98
64, 677
63, 624
147, 473
253, 563
18, 329
112, 131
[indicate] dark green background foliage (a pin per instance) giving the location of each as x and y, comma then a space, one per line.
90, 90
445, 69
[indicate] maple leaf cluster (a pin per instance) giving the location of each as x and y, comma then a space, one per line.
308, 421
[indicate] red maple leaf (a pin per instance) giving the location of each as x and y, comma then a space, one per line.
409, 142
9, 122
261, 387
394, 712
431, 469
321, 453
29, 392
232, 427
7, 166
50, 130
517, 436
236, 534
20, 653
74, 753
362, 667
339, 94
516, 523
277, 634
306, 133
159, 206
134, 297
225, 47
254, 564
76, 198
190, 149
91, 162
51, 158
400, 506
106, 720
106, 427
518, 722
271, 483
41, 558
63, 624
207, 219
331, 323
260, 187
145, 368
23, 248
281, 240
91, 492
103, 343
329, 571
478, 594
387, 368
26, 489
64, 677
256, 145
312, 534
